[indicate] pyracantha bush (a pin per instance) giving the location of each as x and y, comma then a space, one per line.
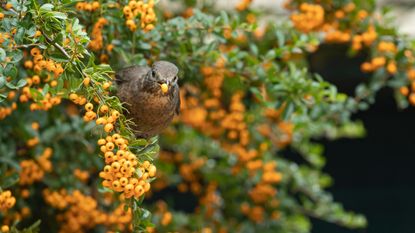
70, 162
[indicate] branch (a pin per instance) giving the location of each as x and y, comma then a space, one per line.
56, 45
320, 217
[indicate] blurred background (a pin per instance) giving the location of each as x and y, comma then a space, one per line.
373, 175
381, 185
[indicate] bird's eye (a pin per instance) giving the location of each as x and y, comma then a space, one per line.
153, 73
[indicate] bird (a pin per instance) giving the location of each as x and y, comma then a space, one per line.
151, 96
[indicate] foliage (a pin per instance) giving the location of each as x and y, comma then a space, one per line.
248, 102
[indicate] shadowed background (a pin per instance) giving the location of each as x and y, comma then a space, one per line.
373, 175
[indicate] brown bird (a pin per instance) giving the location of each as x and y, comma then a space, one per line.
151, 95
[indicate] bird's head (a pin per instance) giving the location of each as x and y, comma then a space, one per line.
164, 74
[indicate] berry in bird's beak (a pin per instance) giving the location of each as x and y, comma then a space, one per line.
164, 88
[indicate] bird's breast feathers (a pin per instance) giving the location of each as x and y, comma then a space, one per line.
157, 105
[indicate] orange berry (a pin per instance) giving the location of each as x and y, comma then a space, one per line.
115, 166
82, 100
129, 23
104, 109
164, 88
109, 156
391, 67
37, 34
147, 187
106, 85
54, 83
101, 121
8, 6
119, 142
412, 98
145, 164
36, 79
411, 74
86, 81
126, 10
115, 114
123, 181
28, 64
108, 127
35, 126
128, 188
25, 193
10, 202
110, 47
404, 91
127, 164
110, 119
73, 96
378, 61
5, 229
339, 14
89, 107
166, 219
90, 115
149, 27
107, 169
87, 7
80, 6
110, 146
349, 7
152, 170
95, 5
138, 190
366, 67
35, 51
116, 184
106, 183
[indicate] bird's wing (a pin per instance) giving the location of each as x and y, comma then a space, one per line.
131, 73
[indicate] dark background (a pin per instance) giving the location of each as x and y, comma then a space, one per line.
373, 175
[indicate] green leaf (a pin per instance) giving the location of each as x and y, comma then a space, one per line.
288, 110
18, 37
47, 7
34, 228
2, 54
143, 45
21, 83
2, 81
9, 181
2, 97
45, 89
254, 49
224, 17
59, 15
11, 86
10, 71
280, 38
16, 56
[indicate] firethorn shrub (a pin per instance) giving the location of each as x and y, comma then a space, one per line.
69, 161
